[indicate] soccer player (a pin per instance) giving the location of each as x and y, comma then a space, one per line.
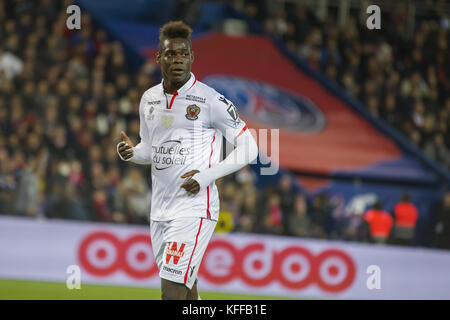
182, 121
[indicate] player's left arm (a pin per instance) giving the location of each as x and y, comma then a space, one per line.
225, 118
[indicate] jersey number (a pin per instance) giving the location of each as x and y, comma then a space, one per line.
232, 111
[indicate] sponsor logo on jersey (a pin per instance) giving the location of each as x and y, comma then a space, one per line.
192, 112
195, 98
172, 270
154, 102
169, 153
174, 251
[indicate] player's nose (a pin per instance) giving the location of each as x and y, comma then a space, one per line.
178, 60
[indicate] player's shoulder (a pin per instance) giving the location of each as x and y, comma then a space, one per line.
210, 94
153, 92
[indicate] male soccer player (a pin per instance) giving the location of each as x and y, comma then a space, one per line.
182, 121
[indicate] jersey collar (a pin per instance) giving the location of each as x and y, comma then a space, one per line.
189, 84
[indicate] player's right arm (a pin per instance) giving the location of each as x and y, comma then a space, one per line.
226, 119
142, 153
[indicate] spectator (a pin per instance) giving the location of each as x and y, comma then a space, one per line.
437, 150
225, 223
8, 184
405, 216
103, 210
300, 222
380, 223
137, 197
10, 64
230, 201
442, 223
269, 220
249, 210
321, 216
286, 197
248, 216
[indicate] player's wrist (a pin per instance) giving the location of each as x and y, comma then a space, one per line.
202, 179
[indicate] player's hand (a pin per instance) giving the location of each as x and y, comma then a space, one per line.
190, 185
125, 147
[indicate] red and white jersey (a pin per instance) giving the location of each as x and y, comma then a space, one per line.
185, 133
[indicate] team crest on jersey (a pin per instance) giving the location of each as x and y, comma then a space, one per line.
192, 112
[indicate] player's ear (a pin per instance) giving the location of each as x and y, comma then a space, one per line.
192, 56
158, 57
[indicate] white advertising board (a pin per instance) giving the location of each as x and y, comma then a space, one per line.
239, 263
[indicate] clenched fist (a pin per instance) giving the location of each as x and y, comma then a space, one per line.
190, 185
124, 147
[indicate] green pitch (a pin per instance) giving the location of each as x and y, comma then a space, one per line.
35, 290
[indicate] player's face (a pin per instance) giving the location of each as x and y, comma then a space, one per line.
176, 59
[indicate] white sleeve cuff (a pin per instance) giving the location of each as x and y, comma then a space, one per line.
203, 178
246, 151
142, 153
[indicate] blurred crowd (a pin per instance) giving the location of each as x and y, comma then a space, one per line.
66, 95
282, 209
401, 78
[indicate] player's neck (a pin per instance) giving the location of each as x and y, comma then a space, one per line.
172, 87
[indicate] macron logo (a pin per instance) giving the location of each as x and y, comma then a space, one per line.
173, 251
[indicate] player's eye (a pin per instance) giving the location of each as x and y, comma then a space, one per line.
172, 54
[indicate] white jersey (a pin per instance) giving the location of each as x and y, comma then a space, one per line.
185, 133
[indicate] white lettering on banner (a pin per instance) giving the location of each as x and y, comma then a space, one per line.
74, 278
374, 280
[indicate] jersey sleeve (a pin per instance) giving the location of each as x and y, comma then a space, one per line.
142, 152
224, 116
143, 129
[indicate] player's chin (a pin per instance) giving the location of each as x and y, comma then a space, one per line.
178, 77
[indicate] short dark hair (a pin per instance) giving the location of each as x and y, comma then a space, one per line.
174, 29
